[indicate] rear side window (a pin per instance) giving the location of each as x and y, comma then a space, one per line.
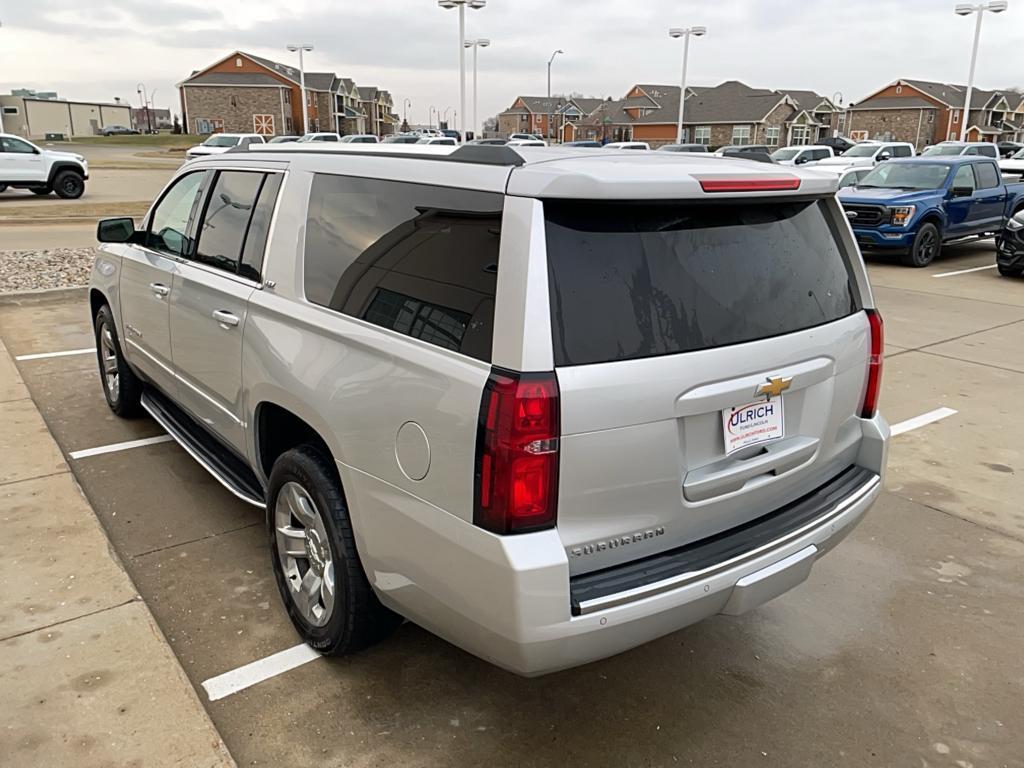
640, 280
901, 150
226, 219
416, 259
987, 176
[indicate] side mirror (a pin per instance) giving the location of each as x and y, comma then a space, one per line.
120, 230
962, 191
882, 157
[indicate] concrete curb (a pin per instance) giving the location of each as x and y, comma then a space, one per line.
88, 677
44, 294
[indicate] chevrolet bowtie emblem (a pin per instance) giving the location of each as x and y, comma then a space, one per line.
774, 387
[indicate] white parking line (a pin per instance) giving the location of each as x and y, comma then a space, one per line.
920, 421
115, 447
67, 353
262, 669
965, 271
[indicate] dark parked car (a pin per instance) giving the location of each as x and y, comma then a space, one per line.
838, 143
451, 134
583, 143
489, 142
683, 148
405, 138
743, 153
1010, 247
283, 140
118, 130
1008, 148
737, 149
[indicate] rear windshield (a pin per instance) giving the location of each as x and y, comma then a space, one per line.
632, 280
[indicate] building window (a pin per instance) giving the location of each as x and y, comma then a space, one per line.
771, 136
10, 110
702, 134
956, 115
931, 116
801, 135
288, 97
952, 136
741, 134
238, 61
899, 89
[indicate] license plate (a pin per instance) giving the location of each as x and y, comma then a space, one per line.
753, 423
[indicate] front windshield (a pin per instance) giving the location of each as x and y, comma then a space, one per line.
1018, 155
785, 154
943, 150
906, 176
221, 141
861, 150
307, 138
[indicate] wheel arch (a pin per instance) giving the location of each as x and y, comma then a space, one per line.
64, 165
277, 428
933, 217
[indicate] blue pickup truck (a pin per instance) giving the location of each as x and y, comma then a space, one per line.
914, 206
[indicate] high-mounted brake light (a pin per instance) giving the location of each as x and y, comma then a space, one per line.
750, 185
516, 488
870, 405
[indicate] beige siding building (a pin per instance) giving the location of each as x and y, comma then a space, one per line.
34, 118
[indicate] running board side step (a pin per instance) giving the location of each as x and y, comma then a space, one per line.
224, 464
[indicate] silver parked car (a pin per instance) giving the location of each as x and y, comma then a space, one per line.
549, 405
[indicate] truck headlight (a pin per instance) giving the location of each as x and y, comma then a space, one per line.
902, 215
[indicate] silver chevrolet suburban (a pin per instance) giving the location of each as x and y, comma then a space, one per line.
546, 403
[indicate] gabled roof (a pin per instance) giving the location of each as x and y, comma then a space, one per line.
319, 81
951, 94
349, 84
542, 105
805, 99
587, 105
614, 111
285, 70
233, 78
895, 102
731, 102
367, 92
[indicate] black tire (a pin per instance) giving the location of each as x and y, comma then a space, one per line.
926, 247
68, 185
357, 619
1008, 271
124, 397
41, 191
3, 188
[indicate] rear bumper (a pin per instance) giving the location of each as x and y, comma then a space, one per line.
1010, 252
509, 599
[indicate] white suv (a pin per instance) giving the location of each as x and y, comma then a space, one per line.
802, 155
547, 404
867, 153
23, 165
219, 143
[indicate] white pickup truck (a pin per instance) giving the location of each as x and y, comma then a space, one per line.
23, 165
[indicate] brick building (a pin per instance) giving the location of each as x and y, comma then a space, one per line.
924, 112
729, 113
243, 93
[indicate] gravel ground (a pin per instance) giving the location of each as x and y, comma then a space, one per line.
50, 268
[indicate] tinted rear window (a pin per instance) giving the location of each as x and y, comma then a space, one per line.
416, 259
639, 280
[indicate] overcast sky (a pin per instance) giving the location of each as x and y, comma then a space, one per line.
98, 49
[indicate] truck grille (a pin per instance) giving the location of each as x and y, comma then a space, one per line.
866, 215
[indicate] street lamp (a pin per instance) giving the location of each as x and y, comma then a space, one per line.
965, 9
445, 118
676, 33
430, 118
141, 90
302, 48
837, 99
550, 116
482, 42
461, 5
405, 112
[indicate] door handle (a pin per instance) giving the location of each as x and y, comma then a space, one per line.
225, 318
159, 289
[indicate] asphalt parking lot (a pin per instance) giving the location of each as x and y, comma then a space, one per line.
902, 649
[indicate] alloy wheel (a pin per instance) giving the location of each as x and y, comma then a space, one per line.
110, 371
304, 552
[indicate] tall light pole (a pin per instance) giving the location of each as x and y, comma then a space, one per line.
430, 117
996, 6
550, 61
482, 42
676, 33
302, 48
461, 5
837, 99
141, 90
445, 119
405, 112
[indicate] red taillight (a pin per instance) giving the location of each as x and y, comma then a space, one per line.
870, 405
750, 185
517, 453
